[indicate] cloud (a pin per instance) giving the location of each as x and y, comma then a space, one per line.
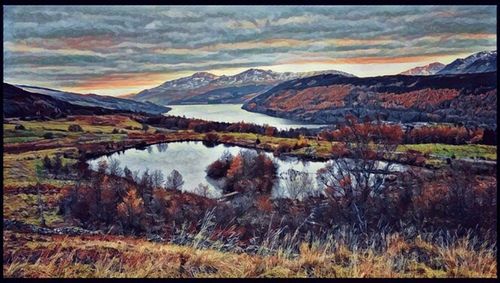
96, 42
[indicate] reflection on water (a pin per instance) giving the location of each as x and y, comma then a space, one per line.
192, 158
233, 113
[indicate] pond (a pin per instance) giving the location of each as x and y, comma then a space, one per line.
192, 158
232, 113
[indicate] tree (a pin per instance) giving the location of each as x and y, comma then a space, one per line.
174, 180
130, 210
210, 139
48, 135
298, 184
145, 127
75, 128
246, 172
114, 167
489, 137
270, 131
202, 190
128, 174
102, 167
57, 165
157, 179
47, 163
352, 182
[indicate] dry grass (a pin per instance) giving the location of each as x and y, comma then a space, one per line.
31, 255
28, 255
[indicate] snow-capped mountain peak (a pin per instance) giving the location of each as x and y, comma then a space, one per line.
485, 61
202, 82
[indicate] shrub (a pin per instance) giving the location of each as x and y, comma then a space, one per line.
246, 172
48, 135
210, 139
217, 169
282, 148
47, 163
301, 142
175, 180
263, 203
270, 131
19, 127
75, 128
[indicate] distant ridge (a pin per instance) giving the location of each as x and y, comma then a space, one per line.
204, 87
481, 62
94, 100
20, 103
451, 98
426, 70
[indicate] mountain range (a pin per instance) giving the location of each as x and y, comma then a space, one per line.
462, 91
203, 87
426, 70
480, 62
323, 99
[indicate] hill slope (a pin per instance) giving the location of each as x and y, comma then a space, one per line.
426, 70
480, 62
203, 87
94, 100
21, 103
464, 98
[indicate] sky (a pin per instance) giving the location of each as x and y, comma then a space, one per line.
117, 50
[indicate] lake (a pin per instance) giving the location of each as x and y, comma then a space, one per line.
192, 158
233, 113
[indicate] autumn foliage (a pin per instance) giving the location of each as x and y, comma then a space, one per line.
420, 99
245, 172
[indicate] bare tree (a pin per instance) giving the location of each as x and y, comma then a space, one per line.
157, 179
114, 168
162, 147
298, 184
128, 174
174, 180
358, 171
202, 190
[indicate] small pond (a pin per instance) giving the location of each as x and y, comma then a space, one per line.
192, 158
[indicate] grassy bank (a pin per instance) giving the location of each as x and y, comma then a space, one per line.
20, 159
28, 255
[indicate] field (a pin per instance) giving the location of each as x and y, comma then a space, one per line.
35, 255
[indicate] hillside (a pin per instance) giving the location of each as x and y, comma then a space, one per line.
21, 103
203, 87
94, 100
465, 98
480, 62
426, 70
